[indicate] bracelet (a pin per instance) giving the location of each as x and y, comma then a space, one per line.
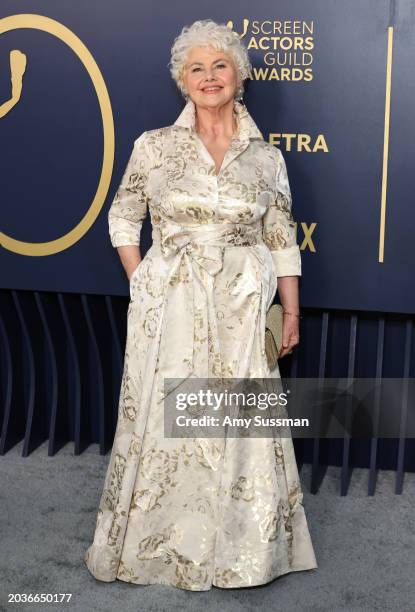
294, 314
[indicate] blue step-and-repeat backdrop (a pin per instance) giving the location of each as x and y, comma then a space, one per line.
333, 86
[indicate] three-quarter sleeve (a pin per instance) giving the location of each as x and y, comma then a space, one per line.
279, 225
130, 203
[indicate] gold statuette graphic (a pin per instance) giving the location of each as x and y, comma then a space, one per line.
17, 68
244, 27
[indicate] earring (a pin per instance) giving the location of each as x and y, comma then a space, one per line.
239, 95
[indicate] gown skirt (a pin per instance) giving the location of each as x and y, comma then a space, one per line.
196, 512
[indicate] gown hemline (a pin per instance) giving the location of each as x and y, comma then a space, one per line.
298, 568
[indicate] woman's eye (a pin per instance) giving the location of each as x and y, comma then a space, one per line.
217, 66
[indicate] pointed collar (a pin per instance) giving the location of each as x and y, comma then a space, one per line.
247, 126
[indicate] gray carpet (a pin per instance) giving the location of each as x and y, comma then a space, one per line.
365, 546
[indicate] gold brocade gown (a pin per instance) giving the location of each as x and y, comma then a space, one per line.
200, 511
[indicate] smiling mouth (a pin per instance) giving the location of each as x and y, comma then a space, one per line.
212, 89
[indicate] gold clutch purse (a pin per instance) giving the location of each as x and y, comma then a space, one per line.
273, 334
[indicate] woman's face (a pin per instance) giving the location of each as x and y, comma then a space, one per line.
207, 67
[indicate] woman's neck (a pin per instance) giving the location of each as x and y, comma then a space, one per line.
216, 123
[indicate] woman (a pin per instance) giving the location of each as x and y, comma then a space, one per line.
200, 512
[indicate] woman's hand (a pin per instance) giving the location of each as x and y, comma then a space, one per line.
130, 258
288, 292
290, 334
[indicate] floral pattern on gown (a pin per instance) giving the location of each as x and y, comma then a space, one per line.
198, 512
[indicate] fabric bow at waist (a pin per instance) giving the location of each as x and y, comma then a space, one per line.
187, 324
205, 244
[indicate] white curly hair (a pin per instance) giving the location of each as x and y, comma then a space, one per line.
205, 33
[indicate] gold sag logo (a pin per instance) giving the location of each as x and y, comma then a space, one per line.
285, 46
17, 69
